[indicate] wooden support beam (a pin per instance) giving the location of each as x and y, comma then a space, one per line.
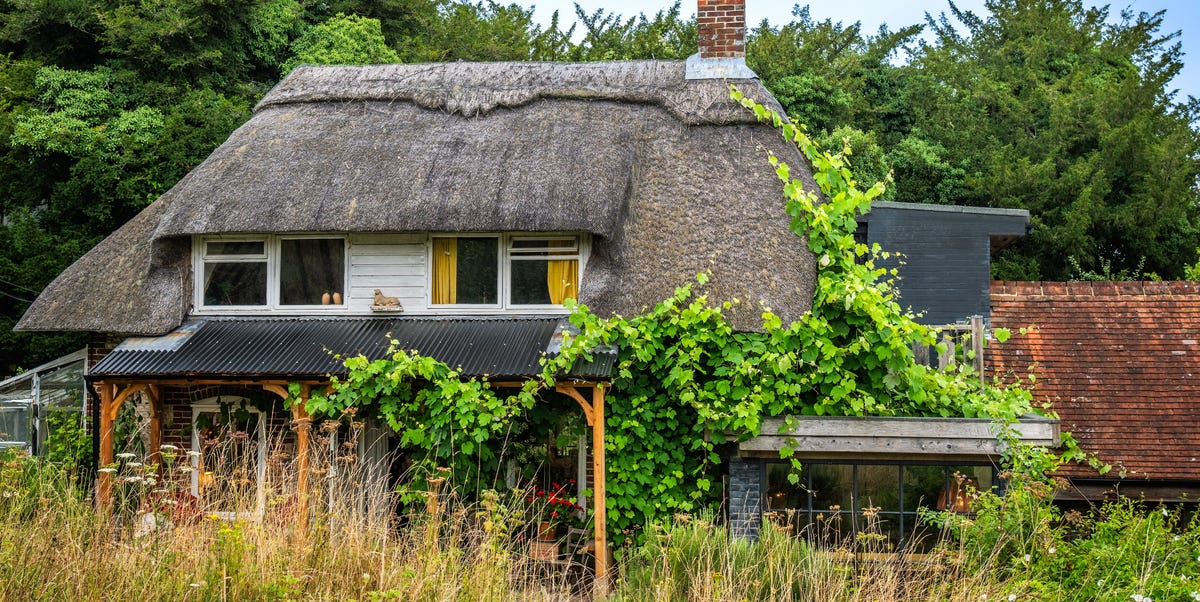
594, 412
153, 395
279, 390
303, 424
571, 391
104, 479
123, 396
599, 514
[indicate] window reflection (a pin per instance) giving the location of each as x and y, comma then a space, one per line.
871, 506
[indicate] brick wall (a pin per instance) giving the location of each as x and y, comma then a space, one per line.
721, 27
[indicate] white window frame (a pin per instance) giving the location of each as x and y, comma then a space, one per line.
213, 404
505, 256
272, 253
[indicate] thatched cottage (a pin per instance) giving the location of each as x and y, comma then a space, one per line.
454, 206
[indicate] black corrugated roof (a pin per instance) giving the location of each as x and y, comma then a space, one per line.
498, 346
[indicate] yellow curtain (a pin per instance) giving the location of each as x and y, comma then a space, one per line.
445, 271
562, 276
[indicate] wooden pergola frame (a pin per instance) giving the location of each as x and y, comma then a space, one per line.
115, 392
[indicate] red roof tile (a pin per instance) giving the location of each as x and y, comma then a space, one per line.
1120, 361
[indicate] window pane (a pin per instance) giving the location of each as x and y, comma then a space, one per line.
242, 283
236, 247
14, 425
923, 485
878, 487
832, 485
781, 493
529, 283
477, 271
310, 268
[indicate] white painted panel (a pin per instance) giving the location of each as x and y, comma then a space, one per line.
400, 255
395, 264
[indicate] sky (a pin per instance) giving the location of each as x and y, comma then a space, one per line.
1182, 16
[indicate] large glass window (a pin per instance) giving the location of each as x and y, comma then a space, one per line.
529, 270
871, 505
543, 271
271, 271
466, 270
311, 270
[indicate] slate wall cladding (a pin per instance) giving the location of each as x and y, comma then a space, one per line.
745, 497
945, 270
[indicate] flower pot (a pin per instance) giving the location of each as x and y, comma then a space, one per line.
546, 531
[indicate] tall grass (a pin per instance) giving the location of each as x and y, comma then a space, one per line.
55, 546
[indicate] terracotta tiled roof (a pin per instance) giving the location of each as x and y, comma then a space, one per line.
1120, 361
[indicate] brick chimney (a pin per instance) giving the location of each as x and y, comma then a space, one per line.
721, 25
721, 29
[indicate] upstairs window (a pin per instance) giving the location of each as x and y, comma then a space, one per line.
271, 272
504, 271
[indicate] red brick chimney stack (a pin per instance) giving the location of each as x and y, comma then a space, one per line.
721, 25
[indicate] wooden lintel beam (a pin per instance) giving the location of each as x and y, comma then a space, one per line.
279, 390
571, 390
124, 396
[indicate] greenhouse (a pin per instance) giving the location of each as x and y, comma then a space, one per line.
43, 407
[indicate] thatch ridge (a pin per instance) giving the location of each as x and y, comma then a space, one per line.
473, 89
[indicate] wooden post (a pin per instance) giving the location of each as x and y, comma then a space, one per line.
599, 518
104, 479
303, 426
152, 395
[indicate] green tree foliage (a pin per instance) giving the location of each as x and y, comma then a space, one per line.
1048, 107
342, 40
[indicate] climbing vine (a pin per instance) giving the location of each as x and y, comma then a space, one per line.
686, 382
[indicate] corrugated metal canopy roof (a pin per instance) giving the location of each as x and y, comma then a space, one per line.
292, 348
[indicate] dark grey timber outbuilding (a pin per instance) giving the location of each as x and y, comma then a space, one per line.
945, 270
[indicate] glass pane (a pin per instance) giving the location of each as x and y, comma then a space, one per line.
923, 486
529, 283
832, 485
781, 493
236, 247
478, 270
14, 425
878, 487
312, 271
235, 283
965, 484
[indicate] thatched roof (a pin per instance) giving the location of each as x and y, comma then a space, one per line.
669, 175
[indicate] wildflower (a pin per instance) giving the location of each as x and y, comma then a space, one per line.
126, 456
134, 464
108, 470
1012, 597
1196, 596
1026, 557
1052, 550
167, 447
1141, 598
193, 453
1164, 513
